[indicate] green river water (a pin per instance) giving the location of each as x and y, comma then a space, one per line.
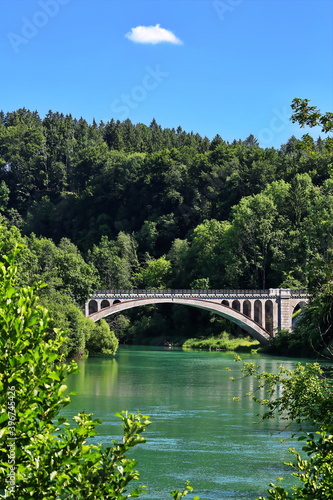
198, 432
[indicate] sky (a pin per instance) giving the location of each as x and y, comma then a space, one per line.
227, 67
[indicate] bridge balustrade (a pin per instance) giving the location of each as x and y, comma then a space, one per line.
299, 293
194, 293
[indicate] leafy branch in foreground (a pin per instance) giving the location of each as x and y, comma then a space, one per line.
314, 473
302, 395
305, 114
41, 455
177, 495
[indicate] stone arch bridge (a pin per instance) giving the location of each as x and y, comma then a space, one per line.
260, 312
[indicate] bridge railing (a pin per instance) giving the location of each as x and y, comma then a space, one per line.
180, 292
298, 293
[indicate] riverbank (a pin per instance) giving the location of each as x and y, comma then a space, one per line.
223, 342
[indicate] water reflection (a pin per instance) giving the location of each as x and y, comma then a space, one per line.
97, 382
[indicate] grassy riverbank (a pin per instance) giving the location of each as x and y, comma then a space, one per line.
223, 342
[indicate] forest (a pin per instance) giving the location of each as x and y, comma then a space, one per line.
123, 205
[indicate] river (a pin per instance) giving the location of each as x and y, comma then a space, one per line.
198, 432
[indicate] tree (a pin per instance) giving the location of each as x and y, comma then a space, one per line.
101, 339
4, 196
63, 267
207, 252
154, 274
115, 261
314, 328
79, 279
68, 317
22, 147
200, 284
147, 236
180, 267
254, 236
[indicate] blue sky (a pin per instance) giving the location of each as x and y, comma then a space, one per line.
228, 67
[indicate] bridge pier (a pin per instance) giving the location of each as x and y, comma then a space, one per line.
285, 315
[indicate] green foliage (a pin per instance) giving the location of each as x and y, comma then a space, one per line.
119, 324
314, 472
208, 251
4, 196
10, 239
178, 495
147, 236
63, 267
154, 274
79, 279
115, 261
315, 325
289, 343
222, 342
310, 115
69, 318
101, 339
304, 396
254, 227
149, 328
82, 335
200, 284
313, 331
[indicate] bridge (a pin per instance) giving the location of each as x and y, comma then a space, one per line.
260, 312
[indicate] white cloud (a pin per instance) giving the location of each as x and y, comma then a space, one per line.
152, 34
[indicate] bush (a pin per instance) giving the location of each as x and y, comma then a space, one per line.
223, 342
101, 339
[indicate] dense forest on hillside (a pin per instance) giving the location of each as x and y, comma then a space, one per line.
122, 205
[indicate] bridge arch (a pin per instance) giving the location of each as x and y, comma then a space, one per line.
93, 306
297, 311
247, 308
233, 314
258, 311
299, 306
236, 305
269, 316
